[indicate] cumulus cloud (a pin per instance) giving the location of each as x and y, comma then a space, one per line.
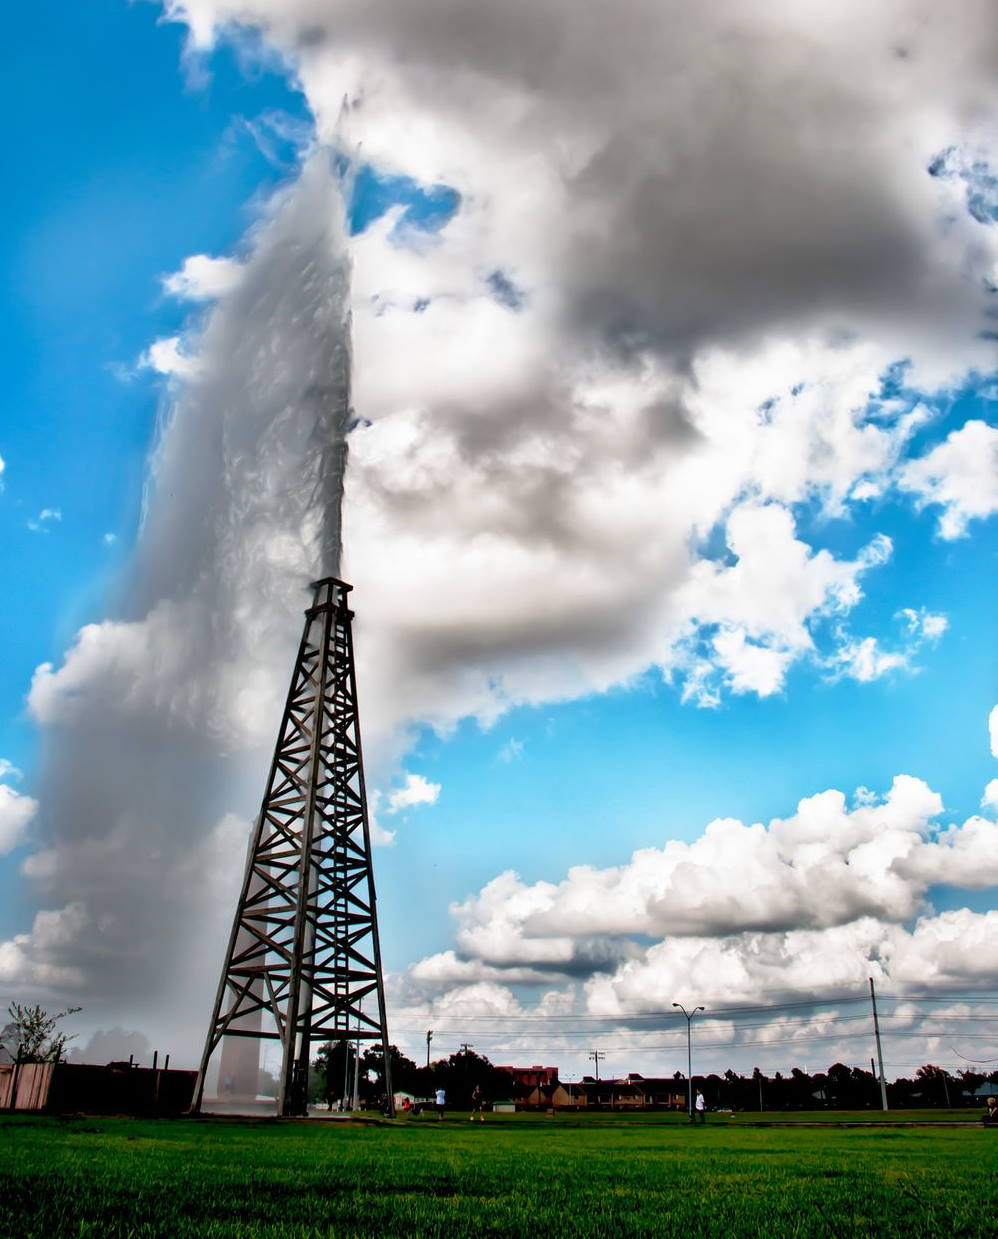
659, 308
416, 790
169, 357
960, 475
38, 960
16, 812
707, 286
807, 906
380, 835
202, 278
827, 865
668, 191
760, 608
953, 949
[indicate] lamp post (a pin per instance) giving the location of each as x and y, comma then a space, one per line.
689, 1053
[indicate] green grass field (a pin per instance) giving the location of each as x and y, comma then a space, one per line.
521, 1176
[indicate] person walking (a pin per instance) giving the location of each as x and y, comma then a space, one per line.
699, 1108
477, 1104
441, 1101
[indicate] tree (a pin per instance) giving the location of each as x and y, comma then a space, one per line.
331, 1076
334, 1066
404, 1070
936, 1079
459, 1074
971, 1080
30, 1037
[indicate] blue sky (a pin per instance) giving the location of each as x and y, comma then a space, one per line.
131, 155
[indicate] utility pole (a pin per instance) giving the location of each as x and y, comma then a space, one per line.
596, 1055
689, 1054
465, 1047
880, 1052
346, 1076
356, 1069
356, 1076
429, 1038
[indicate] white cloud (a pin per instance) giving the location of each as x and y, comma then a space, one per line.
45, 518
202, 278
543, 473
416, 790
512, 750
993, 731
827, 866
168, 356
924, 624
16, 813
952, 949
444, 971
380, 836
33, 961
8, 770
990, 797
764, 604
865, 659
961, 475
806, 907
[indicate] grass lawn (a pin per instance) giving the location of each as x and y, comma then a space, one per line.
517, 1176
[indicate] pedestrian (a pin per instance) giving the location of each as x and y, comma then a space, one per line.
990, 1116
699, 1108
477, 1104
441, 1101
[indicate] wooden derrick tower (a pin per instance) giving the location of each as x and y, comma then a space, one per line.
303, 965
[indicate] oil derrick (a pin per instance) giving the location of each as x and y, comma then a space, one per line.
303, 959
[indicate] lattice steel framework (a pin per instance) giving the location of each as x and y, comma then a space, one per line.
304, 945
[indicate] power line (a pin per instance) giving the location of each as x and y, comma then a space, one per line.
635, 1047
509, 1029
727, 1012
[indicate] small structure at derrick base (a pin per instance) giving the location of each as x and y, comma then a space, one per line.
303, 965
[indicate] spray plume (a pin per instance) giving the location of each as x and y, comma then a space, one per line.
159, 721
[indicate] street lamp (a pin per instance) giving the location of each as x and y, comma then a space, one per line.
689, 1053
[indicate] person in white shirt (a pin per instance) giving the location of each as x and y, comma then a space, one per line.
699, 1108
441, 1101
